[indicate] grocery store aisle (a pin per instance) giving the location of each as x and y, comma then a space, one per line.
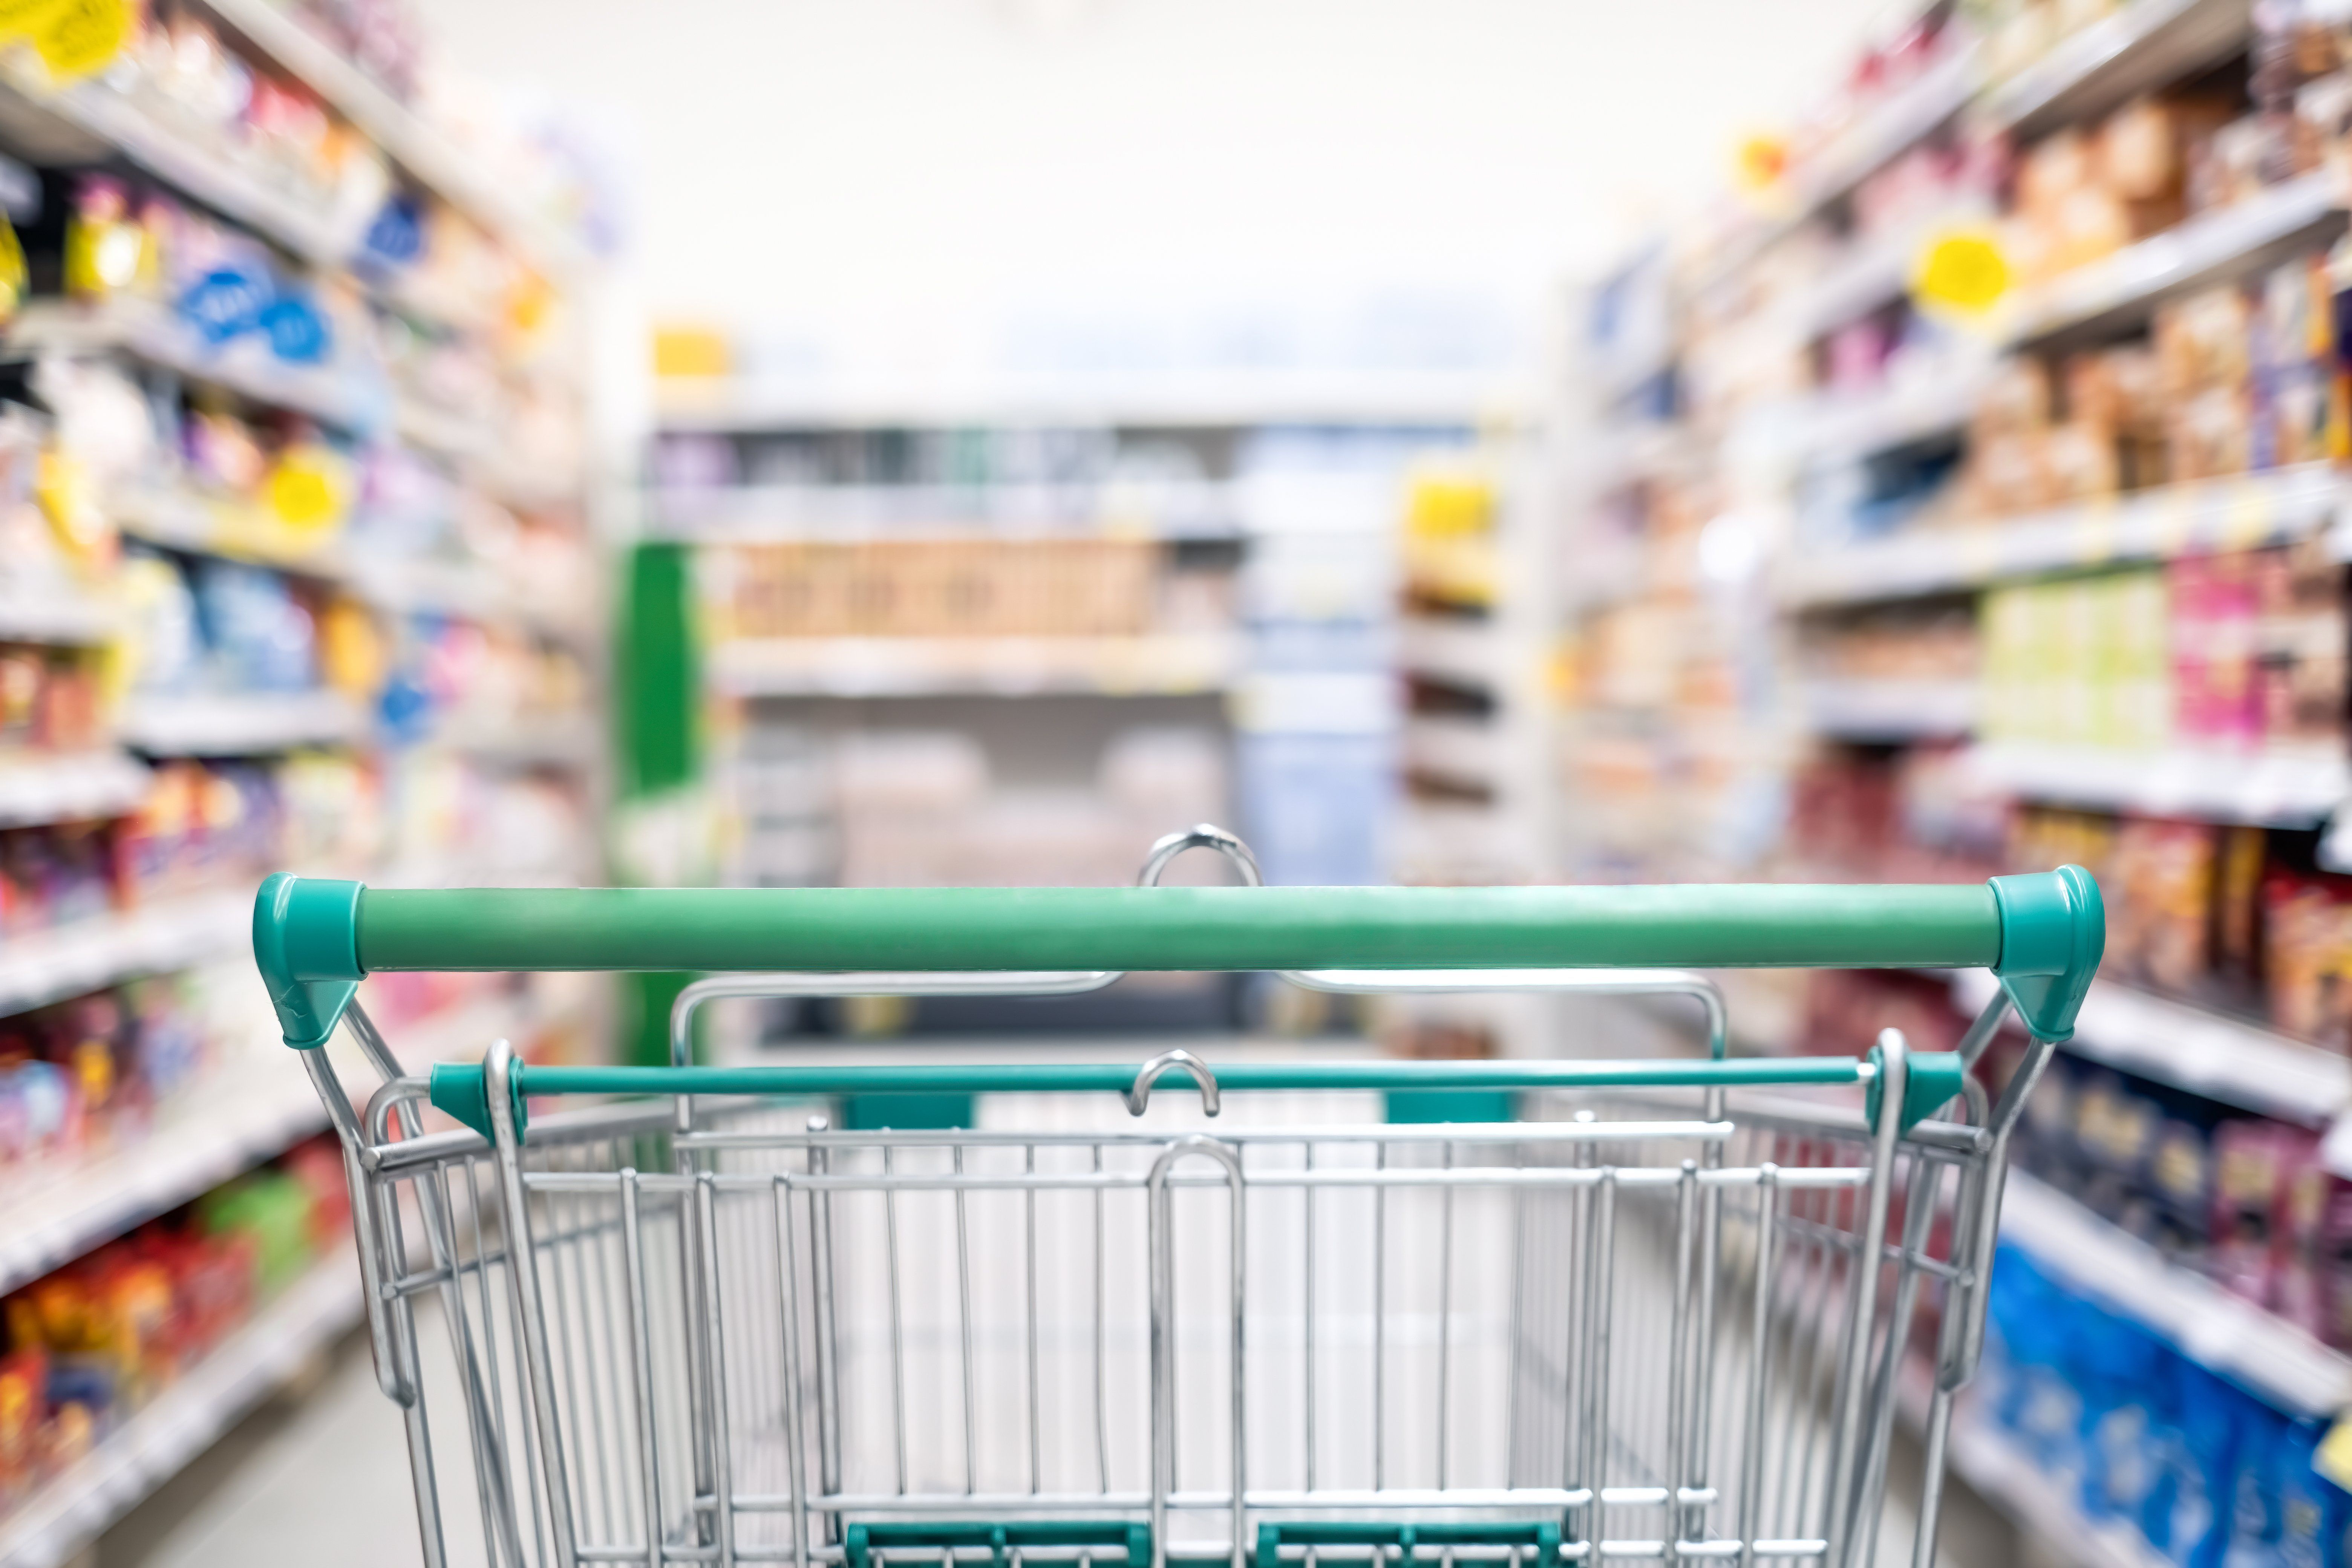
317, 1474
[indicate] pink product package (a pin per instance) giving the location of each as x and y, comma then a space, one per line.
2215, 695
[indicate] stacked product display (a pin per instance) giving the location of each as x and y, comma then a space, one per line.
993, 644
1965, 501
91, 1344
295, 573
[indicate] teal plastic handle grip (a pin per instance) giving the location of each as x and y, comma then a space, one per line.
2042, 933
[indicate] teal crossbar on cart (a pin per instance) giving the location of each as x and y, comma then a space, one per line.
1543, 1535
2041, 934
859, 1542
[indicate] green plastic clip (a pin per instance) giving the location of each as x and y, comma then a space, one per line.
1541, 1534
1932, 1080
2053, 928
305, 943
462, 1089
860, 1540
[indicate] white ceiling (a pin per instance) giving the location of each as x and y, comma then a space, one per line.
913, 180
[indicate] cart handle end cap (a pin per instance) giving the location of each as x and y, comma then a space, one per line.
2053, 929
461, 1090
305, 945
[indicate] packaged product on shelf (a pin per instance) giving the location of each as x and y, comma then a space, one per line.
1034, 588
49, 698
2307, 955
55, 875
178, 68
91, 1342
2204, 1471
93, 1071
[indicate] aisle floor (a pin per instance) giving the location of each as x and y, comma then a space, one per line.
320, 1476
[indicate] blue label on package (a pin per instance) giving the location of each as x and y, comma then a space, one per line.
396, 237
224, 303
297, 334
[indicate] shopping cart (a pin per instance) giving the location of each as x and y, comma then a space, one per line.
732, 1316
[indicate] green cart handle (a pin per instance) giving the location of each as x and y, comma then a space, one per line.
315, 939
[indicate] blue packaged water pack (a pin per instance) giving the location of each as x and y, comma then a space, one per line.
2200, 1459
2254, 1495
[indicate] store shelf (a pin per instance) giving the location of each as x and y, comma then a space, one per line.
73, 786
1884, 132
2002, 1473
2121, 290
1622, 455
529, 743
1467, 654
1005, 667
455, 176
200, 525
2152, 525
1457, 749
148, 332
435, 430
183, 521
1629, 370
1873, 272
2262, 788
2227, 1060
2221, 1332
1176, 400
249, 1111
46, 966
68, 617
299, 221
249, 724
2145, 45
858, 514
1890, 710
1832, 429
408, 587
55, 1522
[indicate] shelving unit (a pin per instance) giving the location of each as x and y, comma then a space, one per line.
947, 535
2228, 1059
2228, 1335
1995, 1466
91, 953
1788, 581
240, 725
72, 787
2238, 513
238, 1116
512, 714
153, 1445
2287, 220
945, 667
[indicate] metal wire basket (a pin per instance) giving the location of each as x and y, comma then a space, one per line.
1655, 1316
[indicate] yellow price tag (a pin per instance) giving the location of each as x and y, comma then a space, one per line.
306, 489
1964, 271
2333, 1458
1761, 161
79, 38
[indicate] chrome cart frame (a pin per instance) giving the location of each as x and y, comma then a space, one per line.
1658, 1315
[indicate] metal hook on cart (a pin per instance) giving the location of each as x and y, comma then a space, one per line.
1138, 1095
925, 982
